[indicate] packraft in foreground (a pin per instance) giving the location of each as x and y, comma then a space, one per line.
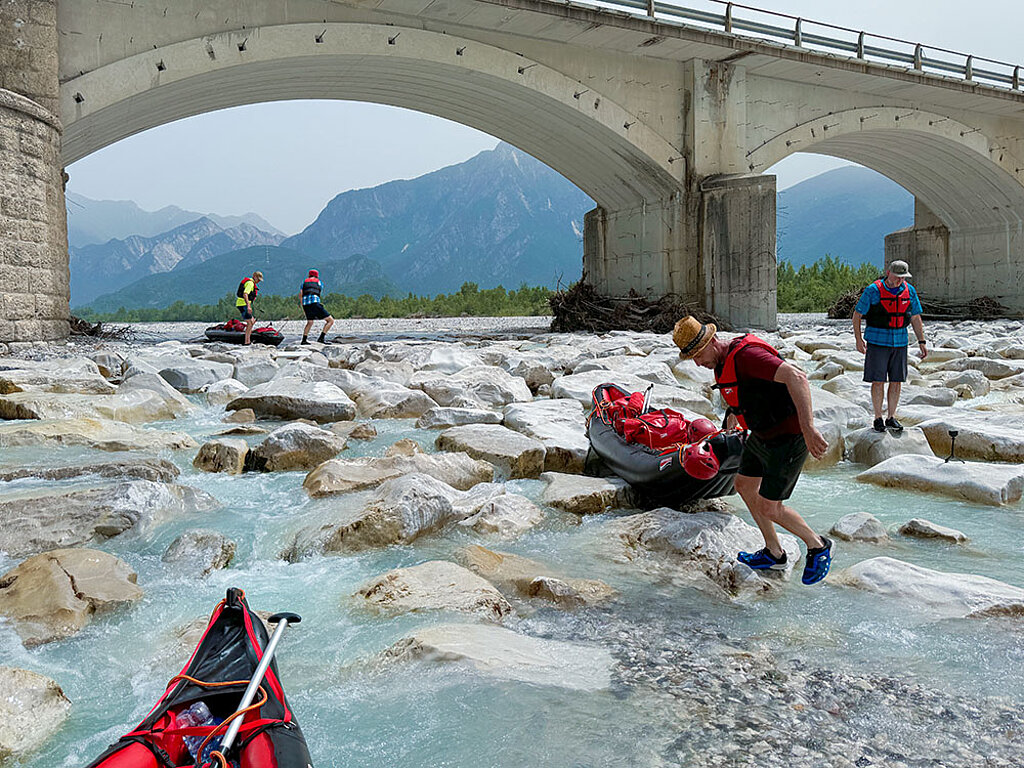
233, 332
665, 458
233, 649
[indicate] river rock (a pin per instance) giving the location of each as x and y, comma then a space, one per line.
399, 511
291, 398
385, 400
241, 416
128, 407
92, 433
991, 368
222, 455
859, 526
51, 596
975, 381
252, 371
514, 455
49, 520
833, 435
585, 495
354, 430
865, 446
200, 551
985, 483
989, 437
395, 372
570, 594
157, 470
404, 447
150, 382
941, 594
192, 375
447, 359
32, 710
829, 407
920, 528
224, 391
701, 548
507, 515
484, 386
506, 655
560, 425
344, 475
296, 446
441, 418
436, 585
53, 380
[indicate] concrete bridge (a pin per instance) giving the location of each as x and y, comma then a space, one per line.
665, 116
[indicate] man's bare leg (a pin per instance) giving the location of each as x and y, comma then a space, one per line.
877, 396
895, 387
767, 514
248, 329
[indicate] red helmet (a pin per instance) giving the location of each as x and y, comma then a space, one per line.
700, 461
698, 429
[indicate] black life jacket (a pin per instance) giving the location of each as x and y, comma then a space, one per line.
240, 293
311, 287
758, 404
893, 311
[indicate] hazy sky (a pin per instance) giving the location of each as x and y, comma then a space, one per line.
286, 160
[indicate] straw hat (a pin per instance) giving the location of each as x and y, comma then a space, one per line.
691, 336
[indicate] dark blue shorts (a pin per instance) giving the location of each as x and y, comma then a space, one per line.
777, 461
315, 311
885, 363
245, 313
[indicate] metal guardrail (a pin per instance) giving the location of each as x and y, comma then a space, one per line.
771, 26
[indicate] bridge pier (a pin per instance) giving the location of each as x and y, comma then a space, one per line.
34, 278
714, 247
962, 264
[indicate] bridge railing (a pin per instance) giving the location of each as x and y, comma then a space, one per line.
784, 29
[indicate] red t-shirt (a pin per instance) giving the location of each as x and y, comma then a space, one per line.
754, 362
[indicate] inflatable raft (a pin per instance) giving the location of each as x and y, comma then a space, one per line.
656, 470
217, 674
233, 332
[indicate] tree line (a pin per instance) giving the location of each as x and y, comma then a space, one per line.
811, 288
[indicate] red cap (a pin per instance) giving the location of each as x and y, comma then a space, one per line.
314, 273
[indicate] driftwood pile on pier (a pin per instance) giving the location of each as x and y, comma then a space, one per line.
981, 308
580, 308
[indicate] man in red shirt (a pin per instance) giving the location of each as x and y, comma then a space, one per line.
772, 399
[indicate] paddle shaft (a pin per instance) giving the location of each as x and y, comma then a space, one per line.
254, 684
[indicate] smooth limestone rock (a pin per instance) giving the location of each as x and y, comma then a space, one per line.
514, 455
859, 526
32, 710
173, 400
354, 430
700, 549
345, 475
404, 447
193, 375
442, 418
296, 446
919, 528
223, 392
129, 407
48, 520
483, 386
865, 446
222, 455
100, 434
386, 400
530, 579
200, 551
585, 495
941, 594
157, 470
985, 483
507, 515
506, 655
560, 425
833, 435
292, 398
241, 416
250, 372
985, 436
53, 595
436, 585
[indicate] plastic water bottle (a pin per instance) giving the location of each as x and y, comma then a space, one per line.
199, 715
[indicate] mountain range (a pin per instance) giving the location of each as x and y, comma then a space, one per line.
500, 218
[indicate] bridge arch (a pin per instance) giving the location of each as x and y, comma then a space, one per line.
594, 142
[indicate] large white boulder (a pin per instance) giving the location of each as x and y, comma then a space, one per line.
442, 418
192, 375
385, 400
560, 425
436, 585
32, 709
292, 398
865, 446
984, 483
223, 392
507, 515
514, 455
506, 655
101, 434
296, 446
345, 475
480, 386
859, 526
137, 407
583, 495
941, 594
255, 370
919, 528
222, 455
986, 436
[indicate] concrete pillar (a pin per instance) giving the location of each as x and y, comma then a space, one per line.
961, 264
34, 280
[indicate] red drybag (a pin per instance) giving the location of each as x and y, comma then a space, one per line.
656, 429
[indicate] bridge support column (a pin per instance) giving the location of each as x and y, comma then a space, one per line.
962, 264
715, 249
34, 279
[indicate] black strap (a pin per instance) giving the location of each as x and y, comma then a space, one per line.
162, 757
240, 747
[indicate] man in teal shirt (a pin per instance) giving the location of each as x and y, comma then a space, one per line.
888, 305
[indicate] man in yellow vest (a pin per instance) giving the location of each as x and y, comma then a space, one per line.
246, 293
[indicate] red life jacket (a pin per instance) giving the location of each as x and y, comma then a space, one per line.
893, 311
757, 405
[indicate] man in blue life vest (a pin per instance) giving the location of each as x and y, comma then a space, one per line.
248, 288
313, 307
772, 399
888, 305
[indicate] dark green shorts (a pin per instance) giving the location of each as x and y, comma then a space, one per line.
777, 462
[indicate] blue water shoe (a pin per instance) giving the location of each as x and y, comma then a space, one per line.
762, 560
818, 563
